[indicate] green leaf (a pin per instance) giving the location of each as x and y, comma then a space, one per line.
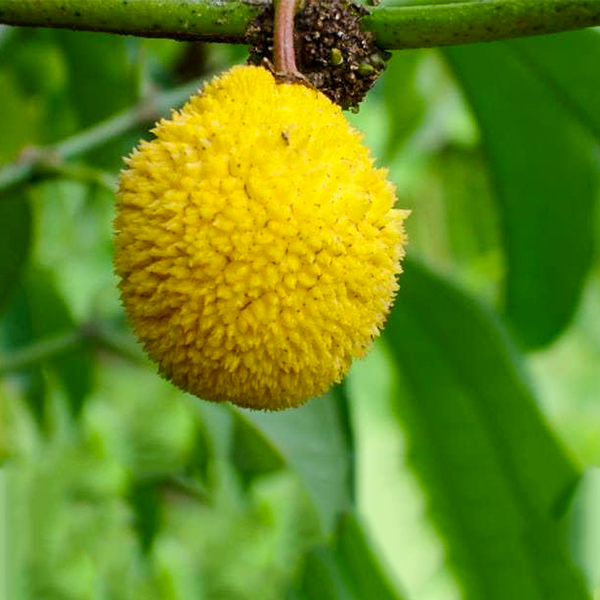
16, 331
15, 217
339, 394
252, 454
50, 315
496, 478
568, 64
583, 520
323, 579
18, 122
311, 440
360, 562
39, 312
38, 79
146, 503
348, 569
546, 177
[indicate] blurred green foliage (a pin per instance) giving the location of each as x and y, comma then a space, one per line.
434, 473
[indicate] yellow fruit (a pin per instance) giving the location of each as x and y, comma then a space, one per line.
256, 243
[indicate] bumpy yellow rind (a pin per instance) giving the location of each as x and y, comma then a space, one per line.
256, 243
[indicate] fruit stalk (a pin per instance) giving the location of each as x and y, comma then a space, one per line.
283, 37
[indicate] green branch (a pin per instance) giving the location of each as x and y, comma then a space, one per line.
224, 20
50, 159
399, 25
396, 24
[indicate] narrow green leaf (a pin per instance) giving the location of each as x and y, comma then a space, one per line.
15, 220
348, 569
146, 503
311, 440
296, 595
546, 179
38, 312
339, 394
496, 478
583, 521
50, 315
16, 331
323, 579
359, 562
253, 455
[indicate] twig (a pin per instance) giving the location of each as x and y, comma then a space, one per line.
41, 350
32, 159
117, 342
99, 335
79, 172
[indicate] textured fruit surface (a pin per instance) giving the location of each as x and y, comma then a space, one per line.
256, 243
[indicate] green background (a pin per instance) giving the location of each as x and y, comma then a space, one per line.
458, 460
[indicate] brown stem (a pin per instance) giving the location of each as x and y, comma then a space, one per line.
284, 53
